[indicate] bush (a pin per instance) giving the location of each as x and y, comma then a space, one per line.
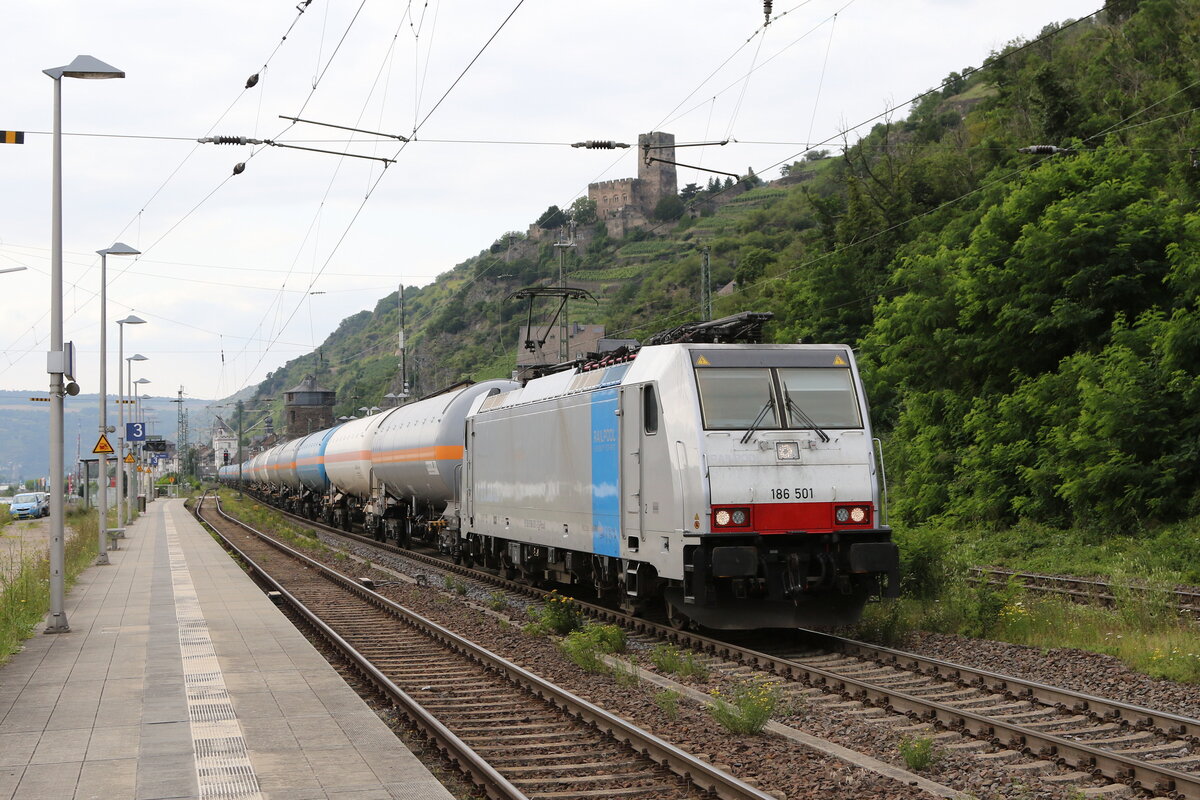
559, 615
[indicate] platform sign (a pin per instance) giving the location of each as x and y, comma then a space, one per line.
135, 431
102, 446
154, 461
129, 459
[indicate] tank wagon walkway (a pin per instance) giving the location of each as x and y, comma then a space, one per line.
180, 679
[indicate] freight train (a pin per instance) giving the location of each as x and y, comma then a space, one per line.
733, 485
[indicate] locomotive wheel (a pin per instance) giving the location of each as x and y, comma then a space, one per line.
675, 618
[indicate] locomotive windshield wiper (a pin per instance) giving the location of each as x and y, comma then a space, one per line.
770, 404
805, 418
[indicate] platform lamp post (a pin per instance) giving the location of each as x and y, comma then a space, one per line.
134, 511
118, 249
57, 362
121, 323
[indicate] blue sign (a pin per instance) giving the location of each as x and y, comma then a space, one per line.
154, 461
135, 431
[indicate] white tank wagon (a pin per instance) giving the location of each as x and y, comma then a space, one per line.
348, 466
734, 483
416, 461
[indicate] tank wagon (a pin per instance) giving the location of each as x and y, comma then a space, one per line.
734, 485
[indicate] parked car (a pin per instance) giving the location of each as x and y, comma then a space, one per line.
30, 505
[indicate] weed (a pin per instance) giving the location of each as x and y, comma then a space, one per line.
747, 707
918, 752
559, 615
671, 660
626, 673
587, 646
497, 601
668, 701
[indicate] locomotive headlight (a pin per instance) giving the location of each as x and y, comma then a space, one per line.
731, 517
787, 451
852, 515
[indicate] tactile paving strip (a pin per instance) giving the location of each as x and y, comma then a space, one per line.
223, 767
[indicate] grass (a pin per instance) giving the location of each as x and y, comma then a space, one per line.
497, 601
25, 581
1143, 629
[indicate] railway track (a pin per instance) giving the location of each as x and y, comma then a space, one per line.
1086, 590
515, 734
1050, 728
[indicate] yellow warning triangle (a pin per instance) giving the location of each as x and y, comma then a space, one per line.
129, 459
702, 362
838, 361
102, 446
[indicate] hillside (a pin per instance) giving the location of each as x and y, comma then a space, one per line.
1027, 321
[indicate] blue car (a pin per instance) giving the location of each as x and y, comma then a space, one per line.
30, 505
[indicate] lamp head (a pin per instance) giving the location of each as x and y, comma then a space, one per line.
119, 249
137, 357
142, 380
85, 67
131, 320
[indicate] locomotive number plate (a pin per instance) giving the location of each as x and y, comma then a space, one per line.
797, 493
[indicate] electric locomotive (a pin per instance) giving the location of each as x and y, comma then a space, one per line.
734, 484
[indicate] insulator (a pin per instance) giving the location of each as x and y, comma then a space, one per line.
227, 139
252, 81
1042, 149
238, 169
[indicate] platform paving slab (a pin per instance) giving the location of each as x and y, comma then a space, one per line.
120, 706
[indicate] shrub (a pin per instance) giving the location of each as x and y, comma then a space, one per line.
587, 646
497, 601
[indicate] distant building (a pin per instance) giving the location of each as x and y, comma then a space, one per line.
224, 443
307, 407
582, 339
628, 203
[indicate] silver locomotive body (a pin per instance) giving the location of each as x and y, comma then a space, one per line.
734, 483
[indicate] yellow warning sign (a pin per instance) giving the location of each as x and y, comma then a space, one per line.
703, 362
129, 459
838, 361
102, 446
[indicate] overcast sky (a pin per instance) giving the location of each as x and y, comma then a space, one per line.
229, 262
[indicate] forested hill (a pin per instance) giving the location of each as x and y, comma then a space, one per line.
1027, 322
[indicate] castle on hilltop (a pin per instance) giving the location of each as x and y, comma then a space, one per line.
627, 203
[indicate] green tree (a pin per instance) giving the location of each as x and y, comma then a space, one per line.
668, 209
552, 217
583, 211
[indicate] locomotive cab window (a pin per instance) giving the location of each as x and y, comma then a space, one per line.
649, 410
774, 398
734, 399
825, 396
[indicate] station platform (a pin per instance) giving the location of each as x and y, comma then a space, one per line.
180, 679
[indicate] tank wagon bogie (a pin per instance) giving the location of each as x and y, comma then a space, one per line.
733, 485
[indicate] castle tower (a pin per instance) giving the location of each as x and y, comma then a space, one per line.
307, 408
656, 180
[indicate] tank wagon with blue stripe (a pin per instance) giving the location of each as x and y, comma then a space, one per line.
732, 485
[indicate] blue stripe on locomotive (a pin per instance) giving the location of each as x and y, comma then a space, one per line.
606, 501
